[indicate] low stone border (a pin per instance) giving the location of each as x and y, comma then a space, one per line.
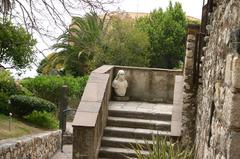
38, 146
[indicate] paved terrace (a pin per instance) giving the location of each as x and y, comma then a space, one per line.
143, 107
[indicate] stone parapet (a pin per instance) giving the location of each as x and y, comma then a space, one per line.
189, 108
176, 121
39, 146
150, 84
91, 115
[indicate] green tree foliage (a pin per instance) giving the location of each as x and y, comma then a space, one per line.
124, 44
167, 33
53, 64
16, 45
92, 41
80, 43
7, 83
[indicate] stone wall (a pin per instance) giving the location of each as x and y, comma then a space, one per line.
149, 84
189, 104
91, 116
40, 146
218, 113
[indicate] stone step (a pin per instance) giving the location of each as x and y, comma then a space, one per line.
124, 142
139, 123
135, 133
118, 153
162, 116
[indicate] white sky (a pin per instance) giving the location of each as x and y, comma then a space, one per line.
191, 7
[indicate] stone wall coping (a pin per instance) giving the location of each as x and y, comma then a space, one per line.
95, 88
176, 122
93, 95
103, 69
27, 138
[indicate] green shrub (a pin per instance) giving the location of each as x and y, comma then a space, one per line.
8, 87
7, 83
4, 106
24, 91
43, 119
161, 148
48, 87
23, 105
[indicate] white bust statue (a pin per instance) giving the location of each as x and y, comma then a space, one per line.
120, 84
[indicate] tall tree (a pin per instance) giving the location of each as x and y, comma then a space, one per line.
16, 46
167, 33
124, 44
80, 43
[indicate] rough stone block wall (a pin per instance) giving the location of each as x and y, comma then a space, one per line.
40, 146
189, 107
218, 113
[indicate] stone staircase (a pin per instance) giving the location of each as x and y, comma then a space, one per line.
129, 123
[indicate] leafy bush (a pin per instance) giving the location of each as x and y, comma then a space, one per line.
7, 83
48, 87
161, 148
43, 119
8, 87
23, 105
4, 106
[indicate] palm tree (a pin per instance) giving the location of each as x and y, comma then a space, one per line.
53, 63
81, 42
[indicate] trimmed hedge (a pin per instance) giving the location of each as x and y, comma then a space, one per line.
48, 87
4, 106
23, 105
43, 119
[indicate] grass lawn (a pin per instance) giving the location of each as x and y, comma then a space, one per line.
19, 128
